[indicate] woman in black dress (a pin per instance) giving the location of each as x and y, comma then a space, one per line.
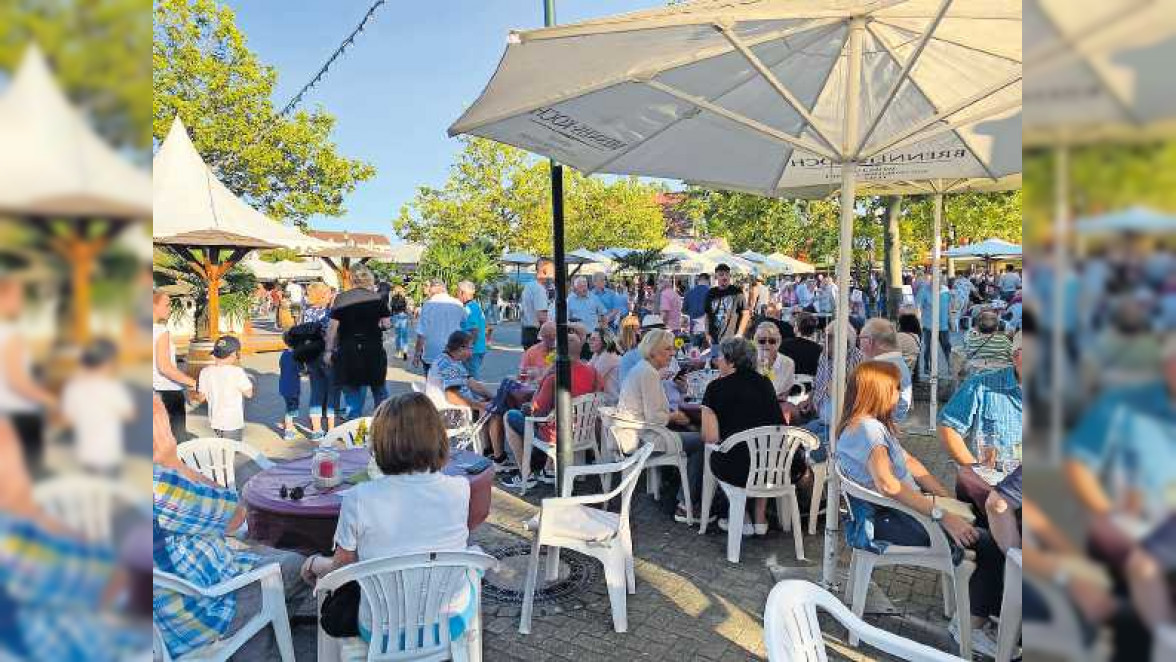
740, 399
355, 342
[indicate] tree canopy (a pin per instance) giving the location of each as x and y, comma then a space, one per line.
287, 166
502, 195
98, 51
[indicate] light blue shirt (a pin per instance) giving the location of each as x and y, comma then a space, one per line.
588, 309
857, 442
924, 301
475, 322
440, 316
988, 402
629, 360
613, 302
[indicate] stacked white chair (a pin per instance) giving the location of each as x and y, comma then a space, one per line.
273, 611
773, 449
409, 595
667, 447
792, 632
573, 523
936, 557
87, 505
344, 435
584, 411
1010, 608
215, 458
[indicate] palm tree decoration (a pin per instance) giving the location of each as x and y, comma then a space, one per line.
452, 263
640, 262
237, 290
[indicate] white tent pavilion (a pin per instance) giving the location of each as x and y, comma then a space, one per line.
794, 265
58, 175
194, 211
1137, 220
796, 97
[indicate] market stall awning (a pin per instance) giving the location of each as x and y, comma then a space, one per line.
53, 164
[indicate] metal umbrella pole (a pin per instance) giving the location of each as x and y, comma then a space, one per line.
937, 230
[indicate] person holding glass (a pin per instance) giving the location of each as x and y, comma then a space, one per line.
988, 407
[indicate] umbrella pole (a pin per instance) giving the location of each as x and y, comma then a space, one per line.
857, 26
1058, 331
937, 230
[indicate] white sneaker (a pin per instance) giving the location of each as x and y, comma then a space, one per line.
761, 529
982, 642
748, 529
516, 482
546, 477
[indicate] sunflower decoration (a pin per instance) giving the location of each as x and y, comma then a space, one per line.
549, 360
679, 342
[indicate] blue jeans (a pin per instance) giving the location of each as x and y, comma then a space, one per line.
695, 464
322, 396
821, 429
354, 396
400, 331
473, 365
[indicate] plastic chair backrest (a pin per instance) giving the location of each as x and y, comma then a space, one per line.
215, 458
584, 410
407, 596
86, 504
630, 472
772, 449
849, 488
792, 631
344, 435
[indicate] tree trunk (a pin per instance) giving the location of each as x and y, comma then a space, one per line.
893, 257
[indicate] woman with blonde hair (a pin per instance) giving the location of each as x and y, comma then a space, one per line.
324, 397
383, 518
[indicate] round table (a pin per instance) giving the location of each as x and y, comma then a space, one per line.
308, 525
136, 555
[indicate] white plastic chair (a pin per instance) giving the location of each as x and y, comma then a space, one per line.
87, 504
667, 447
273, 611
1062, 635
820, 476
344, 435
772, 449
935, 557
792, 632
1010, 608
572, 523
460, 423
409, 594
583, 434
215, 458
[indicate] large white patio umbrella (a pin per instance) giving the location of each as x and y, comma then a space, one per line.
778, 96
1099, 71
1137, 220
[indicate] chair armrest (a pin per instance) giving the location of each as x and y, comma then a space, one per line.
224, 588
541, 419
939, 541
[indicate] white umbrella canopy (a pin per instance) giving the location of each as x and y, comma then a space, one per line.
794, 265
51, 161
781, 97
193, 208
986, 250
1138, 220
518, 258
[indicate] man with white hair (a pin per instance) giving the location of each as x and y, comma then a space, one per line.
616, 305
440, 316
475, 324
583, 306
879, 342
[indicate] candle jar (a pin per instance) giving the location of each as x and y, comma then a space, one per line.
324, 467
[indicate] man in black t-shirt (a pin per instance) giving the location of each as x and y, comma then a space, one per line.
804, 352
726, 309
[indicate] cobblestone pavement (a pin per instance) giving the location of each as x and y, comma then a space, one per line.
691, 604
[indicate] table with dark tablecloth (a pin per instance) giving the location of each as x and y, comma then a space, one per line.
308, 524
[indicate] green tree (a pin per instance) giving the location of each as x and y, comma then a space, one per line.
452, 263
98, 51
967, 217
204, 72
501, 195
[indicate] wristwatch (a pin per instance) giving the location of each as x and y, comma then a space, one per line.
1061, 577
936, 514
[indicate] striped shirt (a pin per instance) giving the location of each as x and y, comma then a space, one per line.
822, 393
993, 350
191, 521
990, 403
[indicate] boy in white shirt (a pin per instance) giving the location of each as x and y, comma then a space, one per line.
225, 385
97, 405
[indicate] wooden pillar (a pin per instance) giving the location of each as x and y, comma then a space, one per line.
212, 268
81, 252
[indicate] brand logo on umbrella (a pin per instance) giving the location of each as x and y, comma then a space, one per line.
569, 127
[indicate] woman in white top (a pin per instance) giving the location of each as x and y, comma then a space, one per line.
606, 361
413, 508
643, 398
774, 365
22, 399
167, 380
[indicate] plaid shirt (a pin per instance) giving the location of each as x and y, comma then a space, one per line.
988, 402
191, 521
53, 585
822, 395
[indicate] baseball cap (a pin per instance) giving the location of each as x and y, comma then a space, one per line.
226, 346
653, 321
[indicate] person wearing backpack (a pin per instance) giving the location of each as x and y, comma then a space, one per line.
304, 353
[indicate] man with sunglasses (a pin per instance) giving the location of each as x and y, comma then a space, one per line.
726, 310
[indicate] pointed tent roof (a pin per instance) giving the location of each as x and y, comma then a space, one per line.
52, 162
193, 208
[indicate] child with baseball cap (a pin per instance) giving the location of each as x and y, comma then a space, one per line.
225, 385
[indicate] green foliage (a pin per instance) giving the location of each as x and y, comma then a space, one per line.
279, 255
501, 195
286, 166
967, 217
169, 269
98, 51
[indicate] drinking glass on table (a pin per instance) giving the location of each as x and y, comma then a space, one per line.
986, 449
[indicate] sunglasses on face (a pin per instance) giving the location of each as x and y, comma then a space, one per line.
767, 341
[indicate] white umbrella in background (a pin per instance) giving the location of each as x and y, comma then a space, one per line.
1138, 220
1099, 71
783, 97
794, 265
519, 260
989, 249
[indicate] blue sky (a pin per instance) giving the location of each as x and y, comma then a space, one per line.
407, 78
